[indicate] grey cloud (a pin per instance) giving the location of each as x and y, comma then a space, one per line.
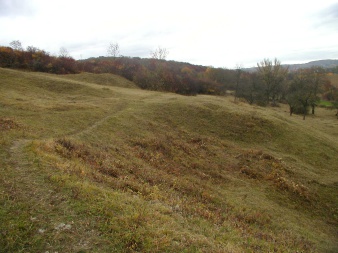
328, 16
332, 11
15, 8
310, 55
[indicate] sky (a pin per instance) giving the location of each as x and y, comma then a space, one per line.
211, 33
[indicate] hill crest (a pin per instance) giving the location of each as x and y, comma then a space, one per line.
326, 64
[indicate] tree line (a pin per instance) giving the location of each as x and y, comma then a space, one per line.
35, 59
271, 84
302, 89
154, 73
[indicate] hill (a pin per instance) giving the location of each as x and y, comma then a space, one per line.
87, 166
101, 79
326, 64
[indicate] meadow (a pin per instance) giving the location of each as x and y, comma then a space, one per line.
91, 163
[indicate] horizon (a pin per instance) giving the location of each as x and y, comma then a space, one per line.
173, 60
215, 34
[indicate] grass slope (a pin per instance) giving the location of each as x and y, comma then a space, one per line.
87, 167
103, 79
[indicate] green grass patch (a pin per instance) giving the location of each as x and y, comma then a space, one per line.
327, 104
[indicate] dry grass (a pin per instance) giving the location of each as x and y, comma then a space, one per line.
102, 79
124, 170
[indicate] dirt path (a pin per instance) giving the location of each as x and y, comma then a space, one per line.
38, 213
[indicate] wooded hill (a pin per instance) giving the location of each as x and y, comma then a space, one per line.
331, 66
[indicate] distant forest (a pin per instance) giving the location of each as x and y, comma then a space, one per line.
271, 82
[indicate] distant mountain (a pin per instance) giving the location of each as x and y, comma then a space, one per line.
320, 63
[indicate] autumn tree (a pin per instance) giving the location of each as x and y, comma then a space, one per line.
272, 75
225, 77
145, 79
64, 64
6, 57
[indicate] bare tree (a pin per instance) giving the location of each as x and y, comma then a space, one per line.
239, 70
63, 52
273, 75
113, 49
300, 93
304, 89
160, 53
16, 45
317, 79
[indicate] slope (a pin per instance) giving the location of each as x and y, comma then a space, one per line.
95, 168
103, 79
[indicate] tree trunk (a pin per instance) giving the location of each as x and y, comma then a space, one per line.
304, 112
313, 109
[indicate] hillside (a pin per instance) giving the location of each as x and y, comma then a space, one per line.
321, 63
326, 64
88, 166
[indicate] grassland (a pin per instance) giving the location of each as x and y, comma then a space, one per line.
89, 163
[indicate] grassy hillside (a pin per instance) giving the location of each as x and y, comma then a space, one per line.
87, 166
103, 79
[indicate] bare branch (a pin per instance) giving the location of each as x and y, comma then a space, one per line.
113, 49
63, 52
16, 45
160, 53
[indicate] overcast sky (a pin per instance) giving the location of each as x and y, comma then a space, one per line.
211, 33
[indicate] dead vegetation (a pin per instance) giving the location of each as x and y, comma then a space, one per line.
258, 165
7, 124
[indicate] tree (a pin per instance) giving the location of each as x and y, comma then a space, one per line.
63, 53
250, 88
113, 49
335, 105
225, 77
272, 75
302, 92
238, 78
16, 45
6, 57
317, 78
160, 53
